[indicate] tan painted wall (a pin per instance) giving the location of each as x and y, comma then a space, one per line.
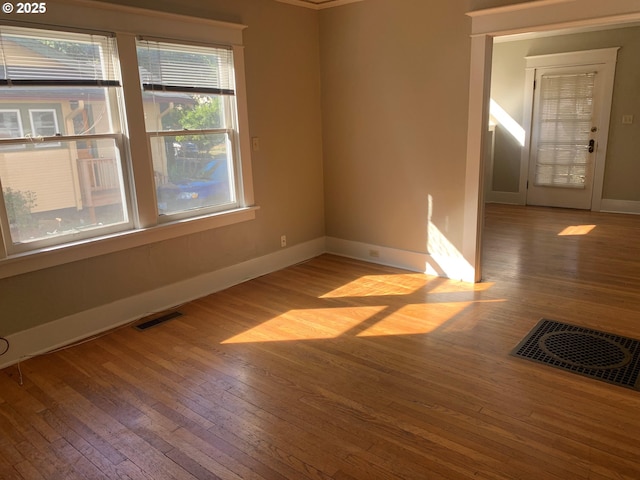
395, 79
282, 68
622, 167
393, 115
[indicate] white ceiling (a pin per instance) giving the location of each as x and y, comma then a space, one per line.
318, 4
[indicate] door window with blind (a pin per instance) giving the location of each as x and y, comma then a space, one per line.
563, 138
60, 138
190, 117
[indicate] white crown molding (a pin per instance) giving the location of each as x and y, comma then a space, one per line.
542, 16
514, 7
318, 6
138, 11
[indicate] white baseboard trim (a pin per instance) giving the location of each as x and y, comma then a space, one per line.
82, 325
441, 264
392, 257
510, 198
73, 328
620, 206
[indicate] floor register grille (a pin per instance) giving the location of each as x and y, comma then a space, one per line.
591, 353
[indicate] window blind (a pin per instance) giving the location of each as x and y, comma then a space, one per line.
566, 109
32, 57
185, 68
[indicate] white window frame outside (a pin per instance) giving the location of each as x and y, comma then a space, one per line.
34, 129
18, 118
131, 23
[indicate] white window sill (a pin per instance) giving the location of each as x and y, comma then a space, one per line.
71, 252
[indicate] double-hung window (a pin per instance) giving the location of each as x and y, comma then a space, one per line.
110, 141
190, 117
61, 168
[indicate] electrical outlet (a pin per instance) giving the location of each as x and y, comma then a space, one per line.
283, 241
627, 119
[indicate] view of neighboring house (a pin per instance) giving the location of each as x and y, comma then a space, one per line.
79, 180
73, 177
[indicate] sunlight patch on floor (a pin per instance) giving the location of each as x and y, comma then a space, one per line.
308, 324
404, 321
372, 305
457, 287
377, 285
577, 230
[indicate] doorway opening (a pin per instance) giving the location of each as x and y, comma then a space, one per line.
527, 21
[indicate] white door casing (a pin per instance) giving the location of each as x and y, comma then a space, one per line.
527, 19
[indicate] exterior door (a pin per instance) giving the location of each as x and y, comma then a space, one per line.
565, 131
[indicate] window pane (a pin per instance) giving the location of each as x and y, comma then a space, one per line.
47, 111
44, 123
192, 171
10, 124
34, 55
190, 116
204, 69
63, 191
566, 105
181, 111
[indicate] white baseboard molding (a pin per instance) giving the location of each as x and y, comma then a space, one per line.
620, 206
443, 264
392, 257
509, 198
73, 328
68, 330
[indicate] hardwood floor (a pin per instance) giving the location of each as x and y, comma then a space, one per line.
339, 369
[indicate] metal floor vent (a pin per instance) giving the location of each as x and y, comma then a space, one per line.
156, 321
603, 356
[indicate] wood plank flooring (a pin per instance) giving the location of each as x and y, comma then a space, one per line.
339, 369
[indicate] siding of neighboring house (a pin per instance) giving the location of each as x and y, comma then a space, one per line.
61, 176
50, 172
42, 172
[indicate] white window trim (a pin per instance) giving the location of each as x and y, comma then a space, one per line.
33, 123
60, 254
127, 23
17, 112
36, 134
